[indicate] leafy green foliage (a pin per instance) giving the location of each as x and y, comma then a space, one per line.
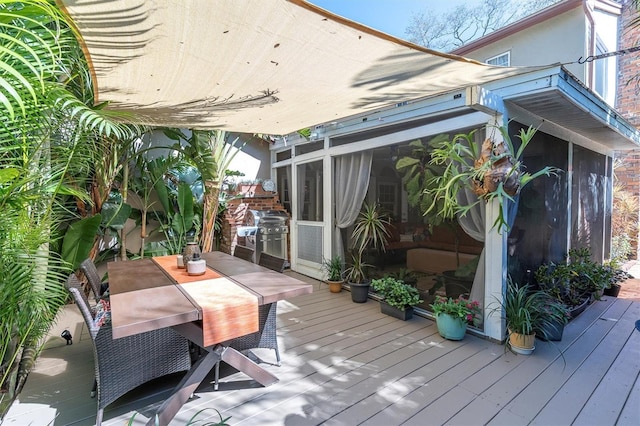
467, 310
466, 169
333, 268
418, 174
78, 240
526, 310
576, 279
395, 292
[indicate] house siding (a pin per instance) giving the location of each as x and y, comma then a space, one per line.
565, 33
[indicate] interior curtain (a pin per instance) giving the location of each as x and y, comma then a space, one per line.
351, 181
473, 224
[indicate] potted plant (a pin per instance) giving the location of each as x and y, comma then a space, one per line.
397, 298
558, 316
453, 316
526, 314
370, 232
333, 268
408, 276
614, 286
574, 282
493, 172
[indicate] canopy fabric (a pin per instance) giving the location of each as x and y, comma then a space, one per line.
256, 66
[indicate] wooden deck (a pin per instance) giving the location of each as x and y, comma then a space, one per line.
347, 364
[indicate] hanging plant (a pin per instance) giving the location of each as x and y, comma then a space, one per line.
495, 172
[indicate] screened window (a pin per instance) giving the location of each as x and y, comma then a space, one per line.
501, 60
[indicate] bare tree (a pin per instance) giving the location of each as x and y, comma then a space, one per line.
450, 30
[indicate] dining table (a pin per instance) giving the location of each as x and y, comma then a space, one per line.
209, 310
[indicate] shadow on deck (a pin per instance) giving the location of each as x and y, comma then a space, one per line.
347, 364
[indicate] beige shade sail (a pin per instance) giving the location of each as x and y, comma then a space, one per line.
256, 66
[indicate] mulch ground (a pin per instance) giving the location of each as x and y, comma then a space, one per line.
630, 290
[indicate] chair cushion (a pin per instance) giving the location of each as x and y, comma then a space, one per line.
103, 313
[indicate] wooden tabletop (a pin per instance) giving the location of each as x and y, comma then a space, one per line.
145, 298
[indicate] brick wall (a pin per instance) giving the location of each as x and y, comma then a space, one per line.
250, 197
627, 171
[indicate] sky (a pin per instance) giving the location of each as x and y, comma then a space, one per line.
389, 16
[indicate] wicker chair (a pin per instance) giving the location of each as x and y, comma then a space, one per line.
125, 363
89, 270
244, 252
264, 338
272, 262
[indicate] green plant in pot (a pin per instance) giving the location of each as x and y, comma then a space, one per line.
454, 315
333, 270
369, 233
397, 297
526, 312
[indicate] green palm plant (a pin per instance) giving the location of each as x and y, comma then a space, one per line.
211, 153
46, 129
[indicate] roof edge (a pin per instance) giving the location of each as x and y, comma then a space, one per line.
515, 27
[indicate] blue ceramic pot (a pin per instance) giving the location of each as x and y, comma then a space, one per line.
452, 328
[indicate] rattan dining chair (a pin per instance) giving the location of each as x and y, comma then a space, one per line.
244, 252
272, 262
89, 270
123, 364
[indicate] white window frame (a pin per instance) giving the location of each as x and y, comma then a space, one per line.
495, 58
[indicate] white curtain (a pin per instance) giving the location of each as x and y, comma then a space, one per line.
473, 224
351, 182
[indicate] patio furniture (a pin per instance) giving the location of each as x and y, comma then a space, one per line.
123, 364
89, 270
265, 337
243, 252
192, 307
272, 262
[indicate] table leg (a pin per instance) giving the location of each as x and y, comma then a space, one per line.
197, 374
186, 387
248, 367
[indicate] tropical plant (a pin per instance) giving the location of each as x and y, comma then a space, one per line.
395, 292
356, 270
370, 232
527, 311
46, 131
467, 310
179, 221
573, 281
494, 172
333, 268
211, 153
418, 173
624, 223
408, 276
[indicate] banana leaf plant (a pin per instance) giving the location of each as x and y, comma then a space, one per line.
211, 152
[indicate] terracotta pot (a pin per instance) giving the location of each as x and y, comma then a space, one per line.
335, 286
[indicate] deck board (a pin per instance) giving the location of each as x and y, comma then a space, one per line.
348, 364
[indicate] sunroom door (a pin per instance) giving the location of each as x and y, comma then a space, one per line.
309, 216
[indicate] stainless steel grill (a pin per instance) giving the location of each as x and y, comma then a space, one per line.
266, 231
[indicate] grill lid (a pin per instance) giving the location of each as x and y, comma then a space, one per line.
261, 217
